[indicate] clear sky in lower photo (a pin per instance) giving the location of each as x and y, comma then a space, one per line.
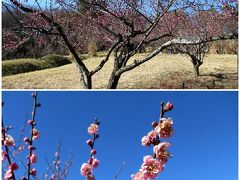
204, 144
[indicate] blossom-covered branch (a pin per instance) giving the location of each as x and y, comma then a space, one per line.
8, 142
34, 135
154, 164
87, 168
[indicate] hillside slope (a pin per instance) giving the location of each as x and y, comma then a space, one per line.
162, 72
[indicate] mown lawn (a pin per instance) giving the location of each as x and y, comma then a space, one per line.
162, 72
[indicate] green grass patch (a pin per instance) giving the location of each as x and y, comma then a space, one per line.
17, 66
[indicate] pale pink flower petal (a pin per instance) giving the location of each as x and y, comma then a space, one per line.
4, 155
146, 141
9, 141
35, 134
138, 176
95, 163
146, 158
52, 177
33, 158
57, 154
34, 172
8, 175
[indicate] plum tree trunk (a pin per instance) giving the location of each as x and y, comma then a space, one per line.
113, 81
196, 70
196, 64
85, 79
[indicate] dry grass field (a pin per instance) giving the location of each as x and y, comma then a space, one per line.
162, 72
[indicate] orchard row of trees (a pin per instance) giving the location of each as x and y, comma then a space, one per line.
124, 27
15, 166
16, 45
19, 44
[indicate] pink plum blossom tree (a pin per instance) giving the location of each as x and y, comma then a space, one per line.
206, 24
128, 26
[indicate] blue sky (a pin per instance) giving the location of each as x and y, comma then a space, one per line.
204, 144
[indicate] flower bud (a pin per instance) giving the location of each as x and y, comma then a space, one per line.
33, 158
95, 163
30, 122
52, 177
31, 148
26, 140
168, 107
93, 151
89, 142
154, 124
13, 166
34, 172
4, 155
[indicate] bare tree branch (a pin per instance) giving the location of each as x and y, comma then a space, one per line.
177, 41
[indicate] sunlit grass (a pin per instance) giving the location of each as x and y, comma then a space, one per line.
162, 72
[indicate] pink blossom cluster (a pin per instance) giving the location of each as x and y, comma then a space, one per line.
149, 139
153, 165
149, 169
163, 129
8, 141
87, 168
93, 129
